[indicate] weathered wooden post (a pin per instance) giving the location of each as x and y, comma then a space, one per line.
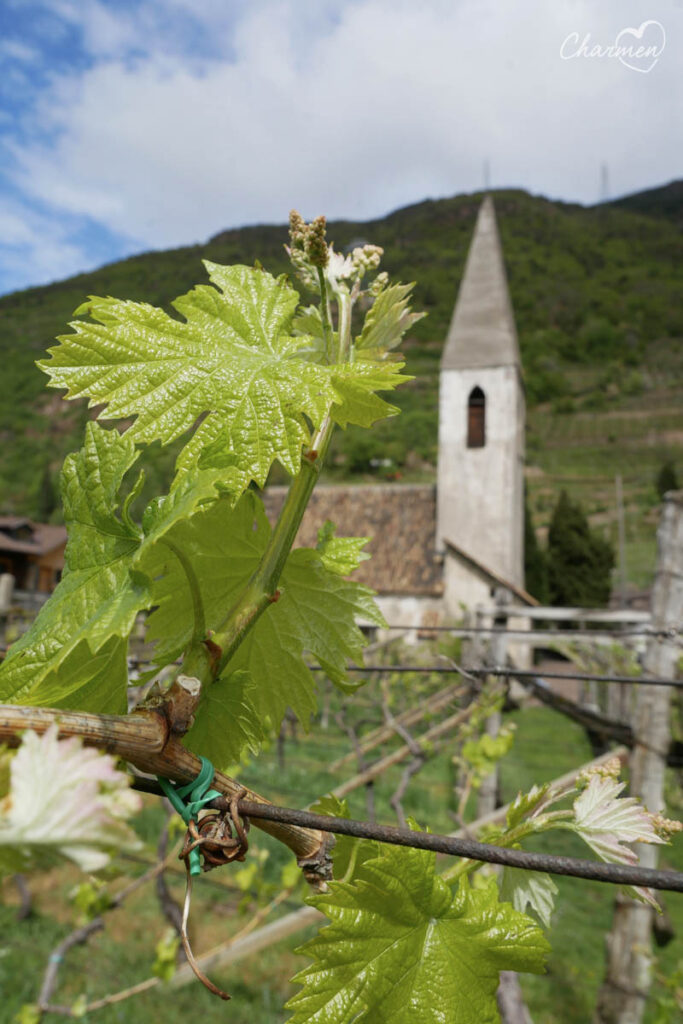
624, 992
473, 646
6, 590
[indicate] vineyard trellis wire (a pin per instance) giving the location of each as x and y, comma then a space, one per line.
501, 670
667, 633
576, 867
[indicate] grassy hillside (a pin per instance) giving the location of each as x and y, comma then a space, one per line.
596, 293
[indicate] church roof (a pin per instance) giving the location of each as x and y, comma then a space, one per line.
482, 331
400, 520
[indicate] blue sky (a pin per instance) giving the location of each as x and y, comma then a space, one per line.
127, 126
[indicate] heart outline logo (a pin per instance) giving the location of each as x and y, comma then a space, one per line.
638, 33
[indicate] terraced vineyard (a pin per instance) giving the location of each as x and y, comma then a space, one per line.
582, 449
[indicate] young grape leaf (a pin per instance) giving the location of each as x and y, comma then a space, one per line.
233, 356
606, 821
224, 544
98, 596
484, 752
388, 319
228, 720
402, 947
316, 613
525, 804
87, 681
534, 889
340, 554
309, 321
357, 383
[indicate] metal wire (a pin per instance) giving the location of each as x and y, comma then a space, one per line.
495, 670
580, 677
664, 634
575, 867
616, 874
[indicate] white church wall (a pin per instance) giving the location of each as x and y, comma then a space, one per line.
517, 537
464, 588
480, 497
410, 610
468, 588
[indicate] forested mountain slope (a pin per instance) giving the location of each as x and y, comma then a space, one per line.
597, 298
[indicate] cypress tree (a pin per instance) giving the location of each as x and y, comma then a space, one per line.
579, 560
667, 480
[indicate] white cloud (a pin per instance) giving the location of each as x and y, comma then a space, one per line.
36, 249
349, 109
15, 50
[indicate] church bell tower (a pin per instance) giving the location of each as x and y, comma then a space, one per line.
480, 485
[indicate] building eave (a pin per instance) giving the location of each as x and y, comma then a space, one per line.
494, 577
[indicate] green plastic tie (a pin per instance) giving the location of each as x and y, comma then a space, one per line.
189, 799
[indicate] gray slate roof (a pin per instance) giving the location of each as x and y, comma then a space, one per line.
482, 331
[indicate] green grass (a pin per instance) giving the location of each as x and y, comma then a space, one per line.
546, 746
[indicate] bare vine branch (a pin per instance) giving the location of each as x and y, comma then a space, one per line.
376, 769
81, 934
411, 769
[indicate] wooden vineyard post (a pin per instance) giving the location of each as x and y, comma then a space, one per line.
624, 992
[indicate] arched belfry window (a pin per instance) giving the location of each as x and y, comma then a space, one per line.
476, 419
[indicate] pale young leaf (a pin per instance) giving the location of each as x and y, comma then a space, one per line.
166, 951
606, 821
30, 1013
533, 889
65, 801
79, 1006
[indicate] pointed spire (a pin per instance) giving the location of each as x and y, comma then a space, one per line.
482, 330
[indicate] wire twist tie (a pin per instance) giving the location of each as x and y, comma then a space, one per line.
188, 800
